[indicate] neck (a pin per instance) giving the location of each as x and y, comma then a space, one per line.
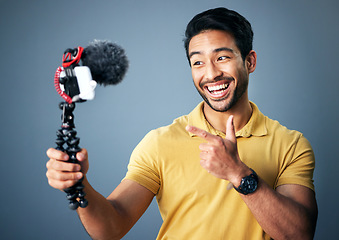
241, 111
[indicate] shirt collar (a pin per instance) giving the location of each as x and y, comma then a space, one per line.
256, 126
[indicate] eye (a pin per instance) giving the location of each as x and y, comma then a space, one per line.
197, 63
223, 58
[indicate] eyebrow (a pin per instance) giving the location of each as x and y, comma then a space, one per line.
215, 51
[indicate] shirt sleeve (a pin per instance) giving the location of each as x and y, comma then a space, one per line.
299, 169
142, 167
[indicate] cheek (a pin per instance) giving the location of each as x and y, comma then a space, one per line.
229, 68
242, 72
197, 77
234, 70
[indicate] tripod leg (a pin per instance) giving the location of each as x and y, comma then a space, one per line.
67, 134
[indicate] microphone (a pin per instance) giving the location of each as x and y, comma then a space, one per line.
104, 63
107, 62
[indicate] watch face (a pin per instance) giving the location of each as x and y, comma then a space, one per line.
249, 185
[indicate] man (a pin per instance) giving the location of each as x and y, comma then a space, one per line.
225, 171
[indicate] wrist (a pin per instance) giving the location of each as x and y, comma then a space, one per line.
241, 173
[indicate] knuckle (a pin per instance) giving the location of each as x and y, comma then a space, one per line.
53, 184
48, 152
219, 141
74, 167
64, 177
59, 176
204, 134
207, 164
213, 149
55, 154
68, 184
50, 175
77, 176
50, 164
56, 165
58, 183
50, 182
62, 185
47, 175
84, 151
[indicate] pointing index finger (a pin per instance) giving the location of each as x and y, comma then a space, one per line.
200, 133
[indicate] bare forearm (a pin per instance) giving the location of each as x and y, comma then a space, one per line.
103, 218
100, 219
281, 217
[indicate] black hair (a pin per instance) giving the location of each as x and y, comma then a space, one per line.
225, 20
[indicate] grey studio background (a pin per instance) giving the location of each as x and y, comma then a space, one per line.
296, 82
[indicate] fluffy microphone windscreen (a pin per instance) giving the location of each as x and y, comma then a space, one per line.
107, 62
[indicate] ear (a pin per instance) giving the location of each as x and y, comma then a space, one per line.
251, 61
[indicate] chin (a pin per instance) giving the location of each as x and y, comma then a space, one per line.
221, 106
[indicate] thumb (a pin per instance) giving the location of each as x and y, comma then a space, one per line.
82, 155
230, 132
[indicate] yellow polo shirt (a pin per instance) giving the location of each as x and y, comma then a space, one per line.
196, 205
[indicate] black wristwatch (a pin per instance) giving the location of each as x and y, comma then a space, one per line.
248, 184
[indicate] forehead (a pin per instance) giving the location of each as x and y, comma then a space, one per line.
210, 40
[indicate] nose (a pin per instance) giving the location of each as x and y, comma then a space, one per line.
212, 71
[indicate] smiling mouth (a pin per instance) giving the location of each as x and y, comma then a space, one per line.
217, 91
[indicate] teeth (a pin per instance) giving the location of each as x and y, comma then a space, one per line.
218, 87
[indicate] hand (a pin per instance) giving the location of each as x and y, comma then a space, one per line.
219, 156
62, 174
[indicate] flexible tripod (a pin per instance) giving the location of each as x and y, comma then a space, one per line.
67, 134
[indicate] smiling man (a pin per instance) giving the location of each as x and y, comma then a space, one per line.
215, 68
224, 171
